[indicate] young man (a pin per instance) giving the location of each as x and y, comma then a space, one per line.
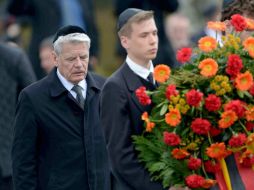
120, 109
58, 142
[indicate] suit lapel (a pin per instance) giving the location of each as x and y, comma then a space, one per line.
133, 82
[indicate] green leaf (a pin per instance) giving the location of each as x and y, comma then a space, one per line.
240, 93
158, 166
164, 109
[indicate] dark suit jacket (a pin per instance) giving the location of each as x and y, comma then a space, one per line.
15, 73
121, 118
57, 144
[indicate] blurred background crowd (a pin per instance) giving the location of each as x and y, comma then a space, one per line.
30, 24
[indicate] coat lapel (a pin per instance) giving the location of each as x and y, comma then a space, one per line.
133, 82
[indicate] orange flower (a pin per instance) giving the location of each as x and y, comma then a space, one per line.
161, 73
250, 114
179, 153
209, 67
219, 26
227, 119
207, 44
249, 45
149, 125
173, 118
208, 183
250, 23
145, 116
217, 151
244, 81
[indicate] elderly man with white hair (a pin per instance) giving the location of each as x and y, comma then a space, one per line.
58, 142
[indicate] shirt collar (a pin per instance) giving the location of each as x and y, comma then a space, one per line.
67, 84
138, 69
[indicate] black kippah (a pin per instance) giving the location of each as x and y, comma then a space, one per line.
125, 16
68, 30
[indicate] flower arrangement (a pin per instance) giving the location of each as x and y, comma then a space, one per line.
202, 112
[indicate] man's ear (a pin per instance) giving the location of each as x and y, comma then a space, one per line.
124, 41
55, 58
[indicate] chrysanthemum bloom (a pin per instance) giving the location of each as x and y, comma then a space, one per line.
179, 153
238, 22
212, 102
249, 114
249, 126
249, 45
161, 73
218, 26
171, 139
237, 106
194, 97
227, 119
209, 67
244, 81
143, 98
207, 44
237, 140
194, 163
173, 118
183, 55
194, 181
247, 159
200, 126
214, 131
234, 65
217, 151
212, 166
171, 91
208, 183
251, 90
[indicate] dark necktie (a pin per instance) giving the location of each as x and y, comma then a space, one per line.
79, 98
150, 78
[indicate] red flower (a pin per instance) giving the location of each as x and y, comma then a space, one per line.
179, 153
143, 98
248, 162
251, 90
236, 106
194, 163
234, 65
211, 167
171, 91
200, 126
212, 102
238, 22
183, 55
171, 139
249, 126
214, 131
194, 181
194, 97
237, 140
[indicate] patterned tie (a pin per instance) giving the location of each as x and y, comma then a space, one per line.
150, 78
79, 98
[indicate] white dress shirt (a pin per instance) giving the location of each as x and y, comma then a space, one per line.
138, 69
68, 85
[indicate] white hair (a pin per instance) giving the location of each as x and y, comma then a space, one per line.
71, 38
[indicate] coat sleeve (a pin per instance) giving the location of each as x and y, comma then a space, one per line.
116, 123
24, 150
